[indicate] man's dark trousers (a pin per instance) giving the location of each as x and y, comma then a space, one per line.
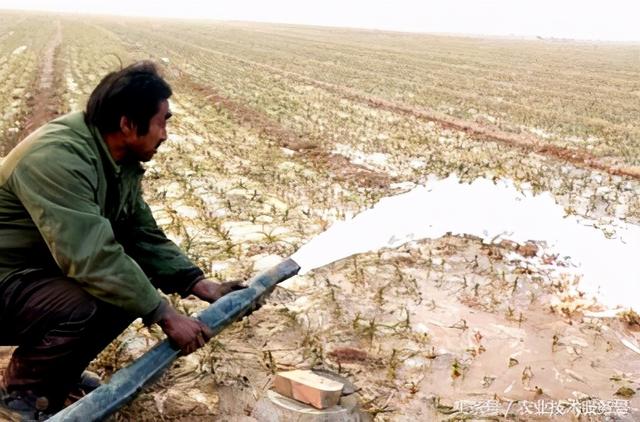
58, 328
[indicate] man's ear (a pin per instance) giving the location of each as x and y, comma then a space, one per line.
127, 127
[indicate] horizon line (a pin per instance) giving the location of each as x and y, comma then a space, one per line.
509, 36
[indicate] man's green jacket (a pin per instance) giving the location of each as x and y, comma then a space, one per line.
68, 208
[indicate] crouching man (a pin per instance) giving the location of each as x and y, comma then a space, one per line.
81, 255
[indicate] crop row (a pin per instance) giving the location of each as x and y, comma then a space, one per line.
21, 51
570, 107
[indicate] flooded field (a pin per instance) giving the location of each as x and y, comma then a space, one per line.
465, 215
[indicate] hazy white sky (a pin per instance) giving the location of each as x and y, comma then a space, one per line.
615, 20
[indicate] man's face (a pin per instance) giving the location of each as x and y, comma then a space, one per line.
144, 147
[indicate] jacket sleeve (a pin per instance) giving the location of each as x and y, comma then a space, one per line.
58, 189
162, 260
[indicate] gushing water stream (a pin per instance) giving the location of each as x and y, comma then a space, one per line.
493, 211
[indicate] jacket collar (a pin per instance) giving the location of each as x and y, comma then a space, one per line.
75, 121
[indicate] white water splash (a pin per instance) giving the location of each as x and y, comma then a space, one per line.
492, 211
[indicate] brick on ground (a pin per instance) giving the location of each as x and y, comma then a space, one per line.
308, 387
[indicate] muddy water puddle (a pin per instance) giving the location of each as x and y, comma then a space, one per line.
515, 346
444, 321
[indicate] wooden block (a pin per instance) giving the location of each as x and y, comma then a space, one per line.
309, 388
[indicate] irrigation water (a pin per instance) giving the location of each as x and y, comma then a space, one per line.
602, 255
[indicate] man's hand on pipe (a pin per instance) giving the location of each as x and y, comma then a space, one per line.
210, 291
188, 334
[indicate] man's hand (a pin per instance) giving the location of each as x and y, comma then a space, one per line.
211, 291
187, 333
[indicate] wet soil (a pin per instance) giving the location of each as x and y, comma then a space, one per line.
418, 330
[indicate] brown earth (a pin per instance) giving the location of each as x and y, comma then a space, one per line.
45, 104
340, 167
528, 143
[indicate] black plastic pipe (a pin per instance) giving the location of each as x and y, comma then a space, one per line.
126, 383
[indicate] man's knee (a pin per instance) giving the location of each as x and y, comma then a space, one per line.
75, 311
54, 303
76, 315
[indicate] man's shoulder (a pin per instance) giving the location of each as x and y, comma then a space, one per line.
74, 120
65, 141
67, 132
70, 127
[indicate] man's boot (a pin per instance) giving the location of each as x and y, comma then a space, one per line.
24, 406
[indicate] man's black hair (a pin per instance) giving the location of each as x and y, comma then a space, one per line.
135, 92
